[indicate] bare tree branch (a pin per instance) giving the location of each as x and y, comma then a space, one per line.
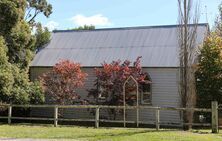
188, 20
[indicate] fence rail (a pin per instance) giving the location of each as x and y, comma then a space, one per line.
97, 119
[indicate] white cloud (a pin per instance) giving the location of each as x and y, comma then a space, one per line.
51, 25
96, 20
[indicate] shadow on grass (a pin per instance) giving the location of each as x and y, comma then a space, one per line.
201, 132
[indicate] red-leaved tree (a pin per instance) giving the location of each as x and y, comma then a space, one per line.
110, 79
61, 83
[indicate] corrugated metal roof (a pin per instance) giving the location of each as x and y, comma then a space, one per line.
158, 46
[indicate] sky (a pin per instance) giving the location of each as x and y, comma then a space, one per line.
121, 13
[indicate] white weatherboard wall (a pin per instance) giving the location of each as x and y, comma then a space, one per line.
165, 93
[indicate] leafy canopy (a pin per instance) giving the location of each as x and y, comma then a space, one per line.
110, 80
15, 86
209, 74
61, 83
17, 46
85, 27
36, 7
42, 36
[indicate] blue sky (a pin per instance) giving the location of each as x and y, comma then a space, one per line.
120, 13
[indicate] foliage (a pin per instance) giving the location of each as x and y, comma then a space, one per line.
17, 46
218, 22
20, 91
6, 76
3, 52
9, 14
35, 7
16, 87
14, 83
17, 32
209, 74
85, 27
61, 83
36, 94
42, 36
20, 44
110, 80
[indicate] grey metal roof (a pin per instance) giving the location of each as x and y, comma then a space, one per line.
158, 46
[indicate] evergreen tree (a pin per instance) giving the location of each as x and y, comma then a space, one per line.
209, 74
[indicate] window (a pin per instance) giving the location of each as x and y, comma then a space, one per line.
146, 91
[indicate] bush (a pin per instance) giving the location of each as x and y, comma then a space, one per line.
61, 83
36, 93
15, 86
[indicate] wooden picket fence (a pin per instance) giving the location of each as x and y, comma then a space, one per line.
97, 120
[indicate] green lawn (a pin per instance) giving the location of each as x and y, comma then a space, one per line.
105, 134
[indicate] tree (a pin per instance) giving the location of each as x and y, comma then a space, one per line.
20, 44
42, 36
36, 94
9, 14
17, 32
17, 46
14, 83
85, 27
110, 80
218, 22
6, 76
35, 7
187, 55
209, 73
61, 83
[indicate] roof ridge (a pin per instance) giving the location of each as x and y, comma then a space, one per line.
130, 28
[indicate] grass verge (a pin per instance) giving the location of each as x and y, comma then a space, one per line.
104, 134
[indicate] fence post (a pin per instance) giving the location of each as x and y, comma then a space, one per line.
9, 114
137, 116
214, 116
55, 116
157, 119
97, 118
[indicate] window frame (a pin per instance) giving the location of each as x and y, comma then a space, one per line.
100, 97
142, 101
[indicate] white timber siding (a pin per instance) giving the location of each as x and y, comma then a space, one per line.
165, 93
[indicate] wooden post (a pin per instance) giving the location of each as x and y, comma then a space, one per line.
137, 105
9, 113
97, 118
157, 119
55, 116
137, 116
214, 116
124, 106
